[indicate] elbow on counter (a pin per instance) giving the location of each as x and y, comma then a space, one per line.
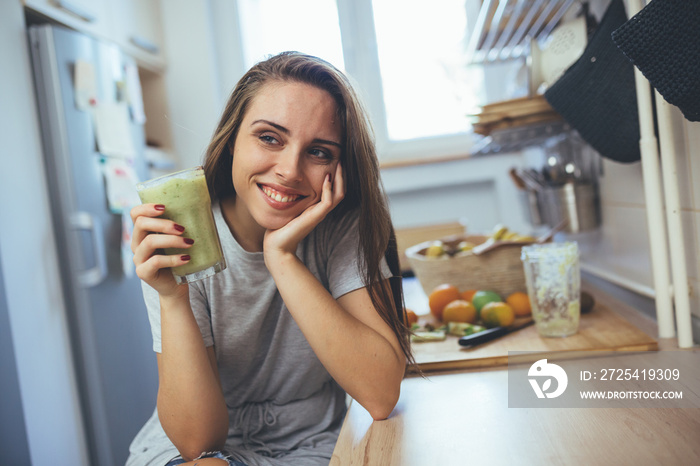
382, 409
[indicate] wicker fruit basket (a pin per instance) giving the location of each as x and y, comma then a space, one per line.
499, 269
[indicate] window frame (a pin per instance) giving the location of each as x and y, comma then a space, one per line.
356, 19
361, 57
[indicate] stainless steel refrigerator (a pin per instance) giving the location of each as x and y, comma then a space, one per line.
109, 329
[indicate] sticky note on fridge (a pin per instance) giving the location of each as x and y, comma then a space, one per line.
133, 93
113, 130
120, 185
85, 85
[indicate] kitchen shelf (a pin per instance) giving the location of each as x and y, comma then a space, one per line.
516, 139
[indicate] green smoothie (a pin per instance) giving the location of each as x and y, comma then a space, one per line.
186, 199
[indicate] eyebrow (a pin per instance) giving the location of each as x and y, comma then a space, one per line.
286, 131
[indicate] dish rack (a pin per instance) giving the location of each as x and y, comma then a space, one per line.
504, 28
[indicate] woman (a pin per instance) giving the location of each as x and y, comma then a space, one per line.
255, 362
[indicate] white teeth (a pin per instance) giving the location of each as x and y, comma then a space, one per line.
272, 194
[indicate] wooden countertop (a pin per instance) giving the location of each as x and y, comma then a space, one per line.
462, 417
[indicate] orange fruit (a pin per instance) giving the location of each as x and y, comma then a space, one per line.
497, 314
468, 295
483, 297
459, 311
411, 317
440, 297
520, 302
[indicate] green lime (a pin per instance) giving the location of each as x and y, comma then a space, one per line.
482, 297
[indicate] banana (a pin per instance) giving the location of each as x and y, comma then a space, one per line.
436, 249
499, 231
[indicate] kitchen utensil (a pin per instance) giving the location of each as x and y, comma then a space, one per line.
561, 49
531, 206
517, 180
491, 243
492, 334
532, 180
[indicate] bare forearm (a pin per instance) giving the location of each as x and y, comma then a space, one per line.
359, 358
191, 405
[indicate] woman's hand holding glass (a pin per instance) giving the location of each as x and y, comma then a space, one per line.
152, 234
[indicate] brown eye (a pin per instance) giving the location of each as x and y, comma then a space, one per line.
268, 139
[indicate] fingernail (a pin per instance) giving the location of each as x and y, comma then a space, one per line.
189, 241
186, 257
179, 228
328, 177
160, 207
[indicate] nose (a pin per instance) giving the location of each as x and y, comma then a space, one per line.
288, 166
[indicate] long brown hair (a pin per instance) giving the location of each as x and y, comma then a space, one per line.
360, 165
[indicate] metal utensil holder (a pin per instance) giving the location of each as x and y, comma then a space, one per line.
579, 203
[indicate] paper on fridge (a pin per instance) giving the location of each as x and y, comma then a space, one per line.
85, 85
134, 96
120, 181
113, 130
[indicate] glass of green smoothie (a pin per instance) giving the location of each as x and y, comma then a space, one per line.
186, 199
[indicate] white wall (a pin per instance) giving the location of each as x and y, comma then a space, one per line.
29, 263
202, 70
477, 192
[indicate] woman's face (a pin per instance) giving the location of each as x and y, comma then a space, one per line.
288, 141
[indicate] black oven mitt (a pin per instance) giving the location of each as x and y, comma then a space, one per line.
663, 41
597, 96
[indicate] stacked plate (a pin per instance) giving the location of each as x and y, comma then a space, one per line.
514, 113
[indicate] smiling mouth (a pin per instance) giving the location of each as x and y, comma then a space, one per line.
278, 196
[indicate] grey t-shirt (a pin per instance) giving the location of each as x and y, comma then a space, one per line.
284, 407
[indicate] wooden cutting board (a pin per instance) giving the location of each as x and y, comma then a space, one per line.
600, 330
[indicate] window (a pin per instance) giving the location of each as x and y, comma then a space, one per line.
421, 49
407, 58
269, 27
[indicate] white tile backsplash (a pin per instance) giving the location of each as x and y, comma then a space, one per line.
692, 144
691, 222
621, 246
621, 183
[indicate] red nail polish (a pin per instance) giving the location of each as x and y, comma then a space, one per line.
186, 257
189, 241
160, 207
179, 228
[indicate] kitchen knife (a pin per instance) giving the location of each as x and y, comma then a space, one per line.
491, 334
